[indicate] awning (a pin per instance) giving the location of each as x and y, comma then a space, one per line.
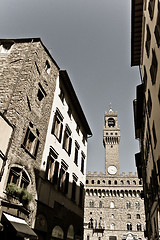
21, 227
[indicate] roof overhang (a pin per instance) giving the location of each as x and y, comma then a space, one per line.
136, 31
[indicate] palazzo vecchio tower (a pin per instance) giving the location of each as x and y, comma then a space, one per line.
113, 206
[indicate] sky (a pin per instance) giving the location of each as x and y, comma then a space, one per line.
91, 39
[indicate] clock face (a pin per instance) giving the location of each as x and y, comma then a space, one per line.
112, 170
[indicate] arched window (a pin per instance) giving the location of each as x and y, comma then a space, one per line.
121, 182
112, 226
92, 181
129, 226
128, 205
115, 182
128, 182
91, 203
139, 227
138, 216
100, 204
109, 182
86, 181
87, 237
98, 182
134, 182
70, 233
57, 232
111, 204
19, 177
128, 216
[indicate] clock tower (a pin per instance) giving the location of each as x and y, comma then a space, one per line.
111, 139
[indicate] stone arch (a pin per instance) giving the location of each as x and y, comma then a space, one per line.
57, 232
70, 232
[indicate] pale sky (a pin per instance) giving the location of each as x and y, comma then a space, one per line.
91, 39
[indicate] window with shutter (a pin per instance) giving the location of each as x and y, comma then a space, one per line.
57, 126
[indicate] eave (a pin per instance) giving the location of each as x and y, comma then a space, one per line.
136, 31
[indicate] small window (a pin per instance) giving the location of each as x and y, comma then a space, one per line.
47, 67
138, 216
31, 142
87, 237
87, 181
137, 205
139, 227
103, 181
112, 226
115, 182
41, 93
100, 204
148, 41
129, 226
82, 162
111, 122
128, 182
153, 68
63, 180
67, 140
109, 182
134, 182
98, 182
128, 205
50, 166
92, 181
128, 216
76, 153
112, 205
121, 182
91, 203
57, 126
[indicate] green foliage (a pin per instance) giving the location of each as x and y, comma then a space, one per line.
20, 193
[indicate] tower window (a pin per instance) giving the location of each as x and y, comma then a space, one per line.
111, 122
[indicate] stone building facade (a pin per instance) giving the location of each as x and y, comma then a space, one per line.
34, 97
145, 53
113, 206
